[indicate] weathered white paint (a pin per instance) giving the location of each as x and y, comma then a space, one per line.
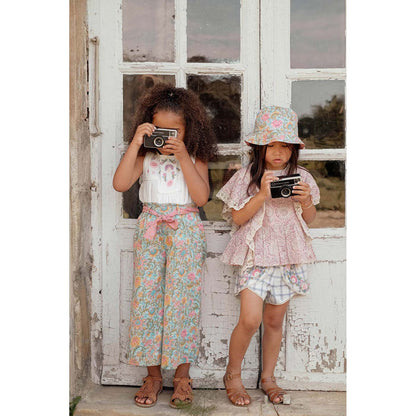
275, 52
94, 29
313, 349
316, 74
314, 353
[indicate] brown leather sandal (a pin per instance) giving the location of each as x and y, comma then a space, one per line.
182, 392
148, 391
273, 392
235, 393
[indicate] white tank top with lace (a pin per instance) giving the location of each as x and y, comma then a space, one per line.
162, 181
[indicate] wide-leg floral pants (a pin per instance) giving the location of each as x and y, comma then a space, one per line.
167, 287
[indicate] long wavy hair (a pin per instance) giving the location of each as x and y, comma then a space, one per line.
199, 139
258, 164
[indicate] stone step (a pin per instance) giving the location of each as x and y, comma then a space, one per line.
118, 401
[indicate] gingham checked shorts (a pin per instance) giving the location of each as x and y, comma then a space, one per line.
270, 283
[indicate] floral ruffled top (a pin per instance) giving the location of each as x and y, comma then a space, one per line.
162, 181
276, 235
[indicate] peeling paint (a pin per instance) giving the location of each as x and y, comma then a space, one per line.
220, 362
332, 357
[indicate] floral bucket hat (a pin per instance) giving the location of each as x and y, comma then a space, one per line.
275, 124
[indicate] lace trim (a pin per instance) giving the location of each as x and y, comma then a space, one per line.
229, 205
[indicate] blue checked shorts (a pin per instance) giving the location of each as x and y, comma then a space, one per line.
275, 284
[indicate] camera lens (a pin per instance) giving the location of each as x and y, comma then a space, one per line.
285, 192
158, 141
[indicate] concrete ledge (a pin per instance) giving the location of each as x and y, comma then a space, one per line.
118, 401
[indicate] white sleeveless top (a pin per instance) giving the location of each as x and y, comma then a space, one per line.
162, 181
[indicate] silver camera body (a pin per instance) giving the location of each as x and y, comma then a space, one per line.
283, 188
158, 138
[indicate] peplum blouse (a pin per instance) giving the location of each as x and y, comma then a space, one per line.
162, 181
276, 235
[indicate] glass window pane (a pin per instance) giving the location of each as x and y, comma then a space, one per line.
220, 95
219, 174
148, 30
330, 177
317, 34
132, 207
134, 87
213, 31
320, 106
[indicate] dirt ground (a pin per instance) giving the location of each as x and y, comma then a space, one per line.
328, 219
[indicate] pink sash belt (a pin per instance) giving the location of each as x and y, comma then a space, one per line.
168, 218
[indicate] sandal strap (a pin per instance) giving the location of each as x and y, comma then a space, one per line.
182, 390
231, 376
272, 392
268, 379
148, 389
235, 393
152, 378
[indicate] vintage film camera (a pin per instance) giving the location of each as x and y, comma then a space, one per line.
283, 188
158, 138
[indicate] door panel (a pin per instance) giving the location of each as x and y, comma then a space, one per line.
313, 348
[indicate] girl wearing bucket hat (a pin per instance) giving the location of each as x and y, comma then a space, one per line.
270, 243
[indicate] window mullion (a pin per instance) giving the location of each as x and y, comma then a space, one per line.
250, 59
322, 154
316, 74
275, 52
180, 41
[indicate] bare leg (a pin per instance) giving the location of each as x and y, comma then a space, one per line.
251, 309
155, 372
272, 338
182, 370
182, 386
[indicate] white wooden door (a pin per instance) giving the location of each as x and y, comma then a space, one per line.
312, 353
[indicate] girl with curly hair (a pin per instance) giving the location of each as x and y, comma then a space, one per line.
169, 240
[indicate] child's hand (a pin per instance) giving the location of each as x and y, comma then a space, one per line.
265, 183
177, 147
302, 190
142, 129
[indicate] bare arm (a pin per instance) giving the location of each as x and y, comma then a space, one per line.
241, 216
196, 178
308, 212
303, 195
131, 165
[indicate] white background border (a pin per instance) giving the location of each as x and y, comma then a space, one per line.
35, 207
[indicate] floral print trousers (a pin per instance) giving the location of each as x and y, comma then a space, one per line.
167, 287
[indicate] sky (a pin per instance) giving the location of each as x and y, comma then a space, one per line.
213, 27
306, 94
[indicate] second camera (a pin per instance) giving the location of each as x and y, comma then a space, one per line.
283, 188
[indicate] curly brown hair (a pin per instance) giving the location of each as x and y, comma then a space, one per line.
199, 139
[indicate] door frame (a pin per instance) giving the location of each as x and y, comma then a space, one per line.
274, 87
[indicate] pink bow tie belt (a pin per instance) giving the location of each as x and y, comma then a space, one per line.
168, 218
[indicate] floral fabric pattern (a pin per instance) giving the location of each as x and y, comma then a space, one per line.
167, 290
276, 235
167, 169
162, 181
275, 124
